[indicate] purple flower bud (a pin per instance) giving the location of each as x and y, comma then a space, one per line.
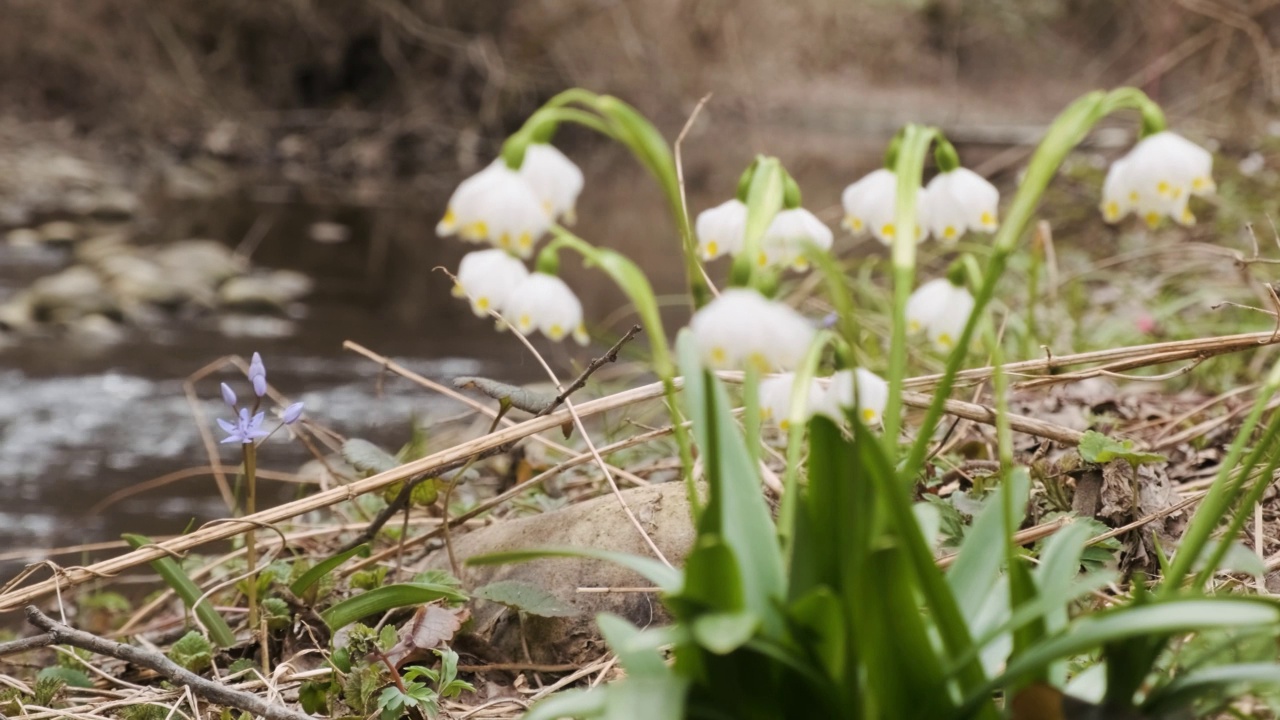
258, 375
228, 395
291, 413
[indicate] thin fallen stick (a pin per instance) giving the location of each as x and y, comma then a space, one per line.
591, 446
391, 366
401, 500
987, 416
514, 491
207, 689
71, 577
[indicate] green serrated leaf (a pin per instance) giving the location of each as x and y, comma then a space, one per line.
525, 598
367, 457
192, 652
314, 697
531, 401
1098, 448
387, 637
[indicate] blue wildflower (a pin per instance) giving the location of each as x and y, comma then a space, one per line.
291, 414
258, 375
246, 429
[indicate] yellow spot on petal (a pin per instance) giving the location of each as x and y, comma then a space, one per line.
449, 221
1111, 212
888, 230
482, 303
504, 240
760, 362
1152, 218
868, 416
784, 425
945, 341
856, 224
1133, 196
913, 326
950, 232
458, 291
1187, 218
763, 259
1201, 184
718, 356
526, 240
555, 332
713, 249
988, 219
525, 322
800, 265
1164, 188
548, 207
477, 230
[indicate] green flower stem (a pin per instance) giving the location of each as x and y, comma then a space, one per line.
1067, 131
751, 424
250, 544
912, 150
796, 424
765, 197
632, 281
621, 123
1223, 493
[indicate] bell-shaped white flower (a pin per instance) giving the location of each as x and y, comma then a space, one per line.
858, 388
742, 328
870, 205
941, 310
784, 240
775, 399
720, 229
497, 205
961, 200
554, 178
487, 278
1156, 179
544, 302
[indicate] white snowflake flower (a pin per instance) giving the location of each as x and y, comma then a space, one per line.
487, 277
555, 179
784, 239
544, 302
870, 205
497, 205
720, 229
742, 328
941, 310
1157, 178
961, 200
859, 388
775, 399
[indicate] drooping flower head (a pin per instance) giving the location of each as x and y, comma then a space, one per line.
487, 278
245, 429
496, 205
858, 388
742, 328
961, 200
544, 302
292, 414
870, 205
940, 309
720, 229
775, 399
554, 178
1156, 179
228, 395
784, 240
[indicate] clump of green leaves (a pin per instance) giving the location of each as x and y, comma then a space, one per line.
143, 711
393, 701
192, 652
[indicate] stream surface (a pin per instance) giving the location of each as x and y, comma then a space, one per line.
81, 419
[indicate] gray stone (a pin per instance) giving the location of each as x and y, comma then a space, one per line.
22, 237
70, 294
267, 292
59, 231
205, 262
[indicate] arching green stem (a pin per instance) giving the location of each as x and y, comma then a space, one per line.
632, 281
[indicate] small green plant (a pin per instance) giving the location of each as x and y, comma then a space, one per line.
192, 652
410, 692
